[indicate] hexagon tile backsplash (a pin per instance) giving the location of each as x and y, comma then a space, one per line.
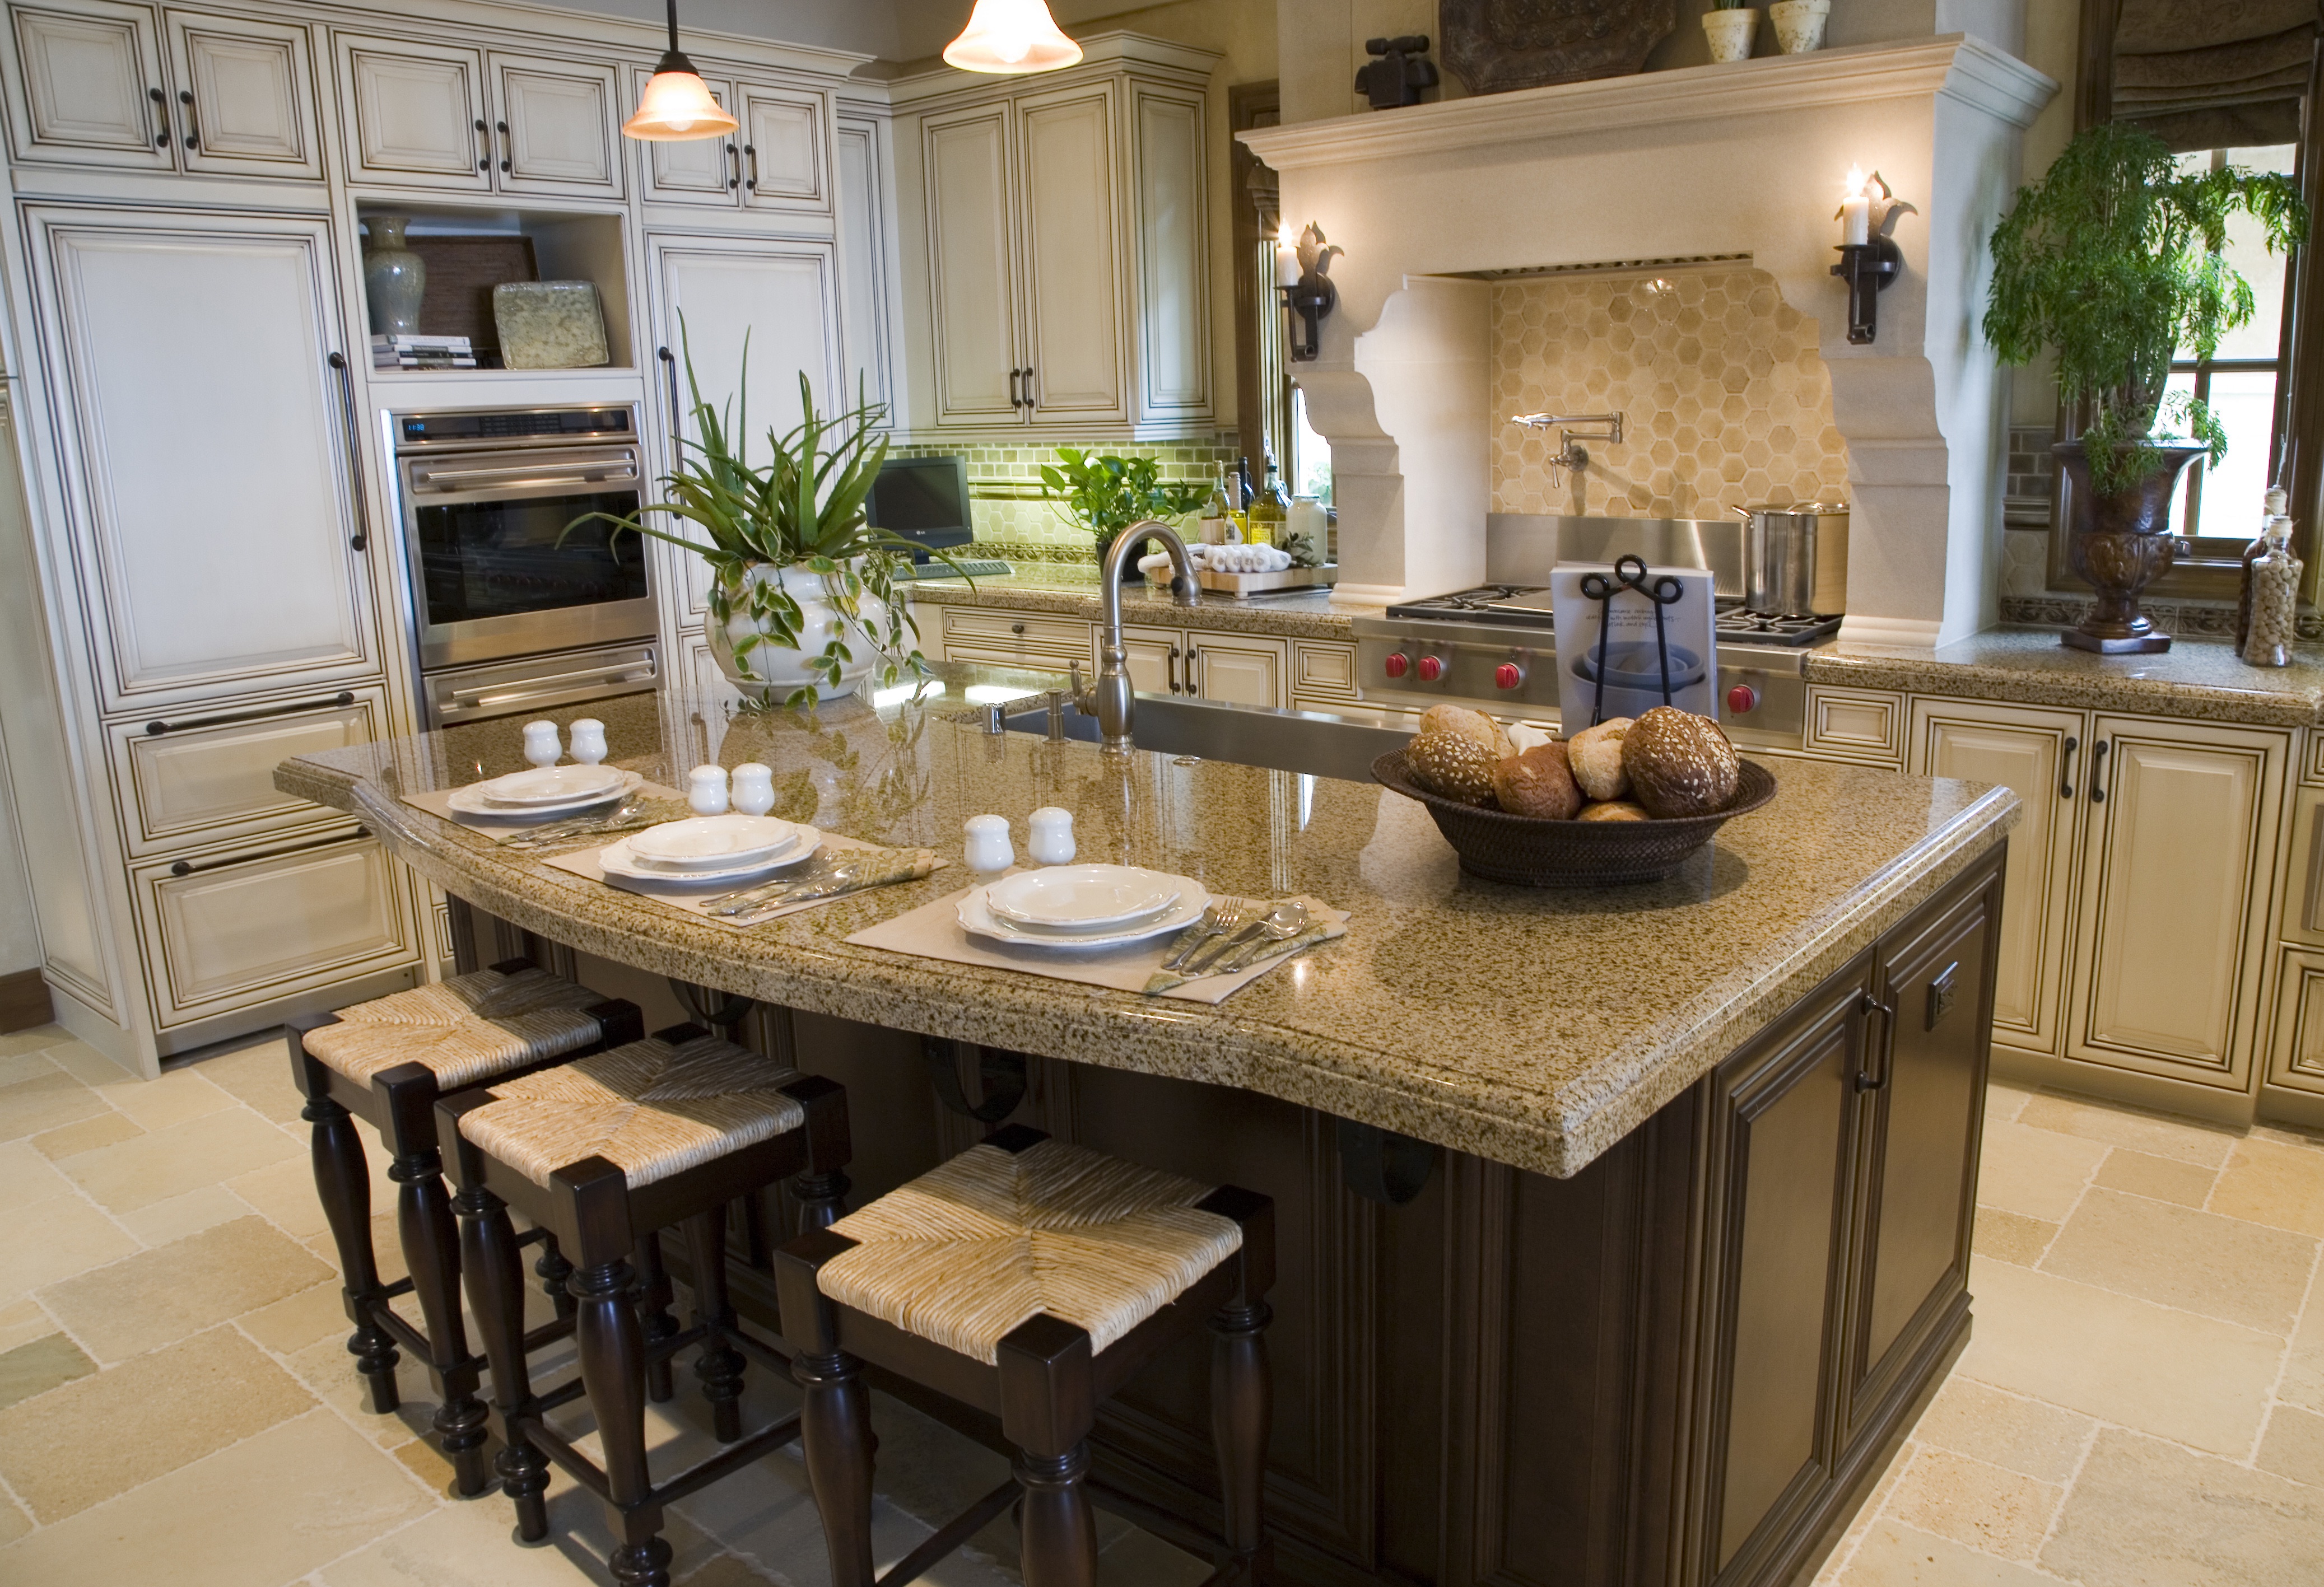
1726, 400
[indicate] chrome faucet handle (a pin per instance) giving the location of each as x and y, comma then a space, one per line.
1078, 690
1058, 700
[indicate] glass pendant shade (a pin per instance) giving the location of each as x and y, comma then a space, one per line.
1012, 37
677, 104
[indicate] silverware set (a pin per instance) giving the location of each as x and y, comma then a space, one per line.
828, 875
1233, 934
635, 812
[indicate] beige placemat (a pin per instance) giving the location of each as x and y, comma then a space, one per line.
697, 905
934, 930
438, 803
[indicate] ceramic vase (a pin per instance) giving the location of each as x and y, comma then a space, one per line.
1799, 24
1730, 32
771, 671
394, 277
2121, 542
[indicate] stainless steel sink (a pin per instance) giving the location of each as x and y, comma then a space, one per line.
1246, 735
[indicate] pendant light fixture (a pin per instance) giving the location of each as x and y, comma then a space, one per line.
1012, 37
676, 104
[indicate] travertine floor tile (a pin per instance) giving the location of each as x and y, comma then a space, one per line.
85, 1064
1895, 1556
2303, 1364
1866, 1514
14, 1522
2270, 1183
2011, 1236
180, 1215
2292, 1446
166, 1162
158, 1296
1140, 1559
2163, 1178
729, 1570
284, 1193
2197, 1261
16, 1042
329, 1373
2195, 1378
2003, 1101
26, 1177
86, 1135
1999, 1512
291, 1324
2159, 1134
23, 1321
178, 1095
2038, 1173
45, 1102
37, 1367
2148, 1513
260, 1075
53, 1240
2007, 1430
84, 1442
270, 1509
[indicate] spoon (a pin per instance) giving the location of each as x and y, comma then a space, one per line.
1281, 920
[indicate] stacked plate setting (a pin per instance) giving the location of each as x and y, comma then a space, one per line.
703, 849
1077, 907
544, 792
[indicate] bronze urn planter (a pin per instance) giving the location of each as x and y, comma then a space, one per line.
2121, 542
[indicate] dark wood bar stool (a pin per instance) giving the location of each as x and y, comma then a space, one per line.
387, 1062
1030, 1279
604, 1153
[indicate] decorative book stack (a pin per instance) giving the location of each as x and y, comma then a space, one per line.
421, 352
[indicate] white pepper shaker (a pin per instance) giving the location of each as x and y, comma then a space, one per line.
542, 747
705, 790
989, 851
754, 788
588, 740
1051, 835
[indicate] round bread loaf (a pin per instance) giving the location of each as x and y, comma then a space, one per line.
1469, 724
1613, 810
1537, 782
1680, 764
1452, 765
1596, 756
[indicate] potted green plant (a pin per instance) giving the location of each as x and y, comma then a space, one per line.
1108, 494
802, 599
2116, 262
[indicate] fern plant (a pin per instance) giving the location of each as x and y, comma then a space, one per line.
1108, 493
802, 508
2117, 260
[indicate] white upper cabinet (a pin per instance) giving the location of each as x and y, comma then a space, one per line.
221, 568
1072, 257
697, 170
865, 265
423, 114
973, 266
1174, 294
104, 84
786, 149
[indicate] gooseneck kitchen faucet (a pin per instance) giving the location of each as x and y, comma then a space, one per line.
1109, 698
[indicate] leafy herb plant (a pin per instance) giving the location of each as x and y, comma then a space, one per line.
1108, 493
2117, 258
803, 507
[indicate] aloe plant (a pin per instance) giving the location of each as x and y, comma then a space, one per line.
803, 507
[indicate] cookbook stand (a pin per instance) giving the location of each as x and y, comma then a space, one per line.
1630, 574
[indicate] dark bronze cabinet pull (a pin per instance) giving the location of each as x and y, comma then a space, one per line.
193, 133
1193, 661
751, 152
484, 147
1174, 670
344, 698
676, 413
2066, 767
160, 102
187, 868
360, 539
1867, 1007
1032, 397
735, 163
2097, 770
503, 127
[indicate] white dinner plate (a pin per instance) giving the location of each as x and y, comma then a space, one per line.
616, 860
469, 801
714, 842
1081, 898
550, 785
979, 920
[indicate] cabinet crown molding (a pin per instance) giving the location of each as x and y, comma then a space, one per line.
1103, 55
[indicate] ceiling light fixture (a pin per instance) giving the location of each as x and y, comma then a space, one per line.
676, 104
1012, 37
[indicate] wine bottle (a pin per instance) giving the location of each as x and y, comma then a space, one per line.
1268, 511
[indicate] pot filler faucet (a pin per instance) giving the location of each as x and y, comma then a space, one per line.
1571, 455
1109, 698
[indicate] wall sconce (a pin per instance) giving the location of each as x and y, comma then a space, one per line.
1869, 259
1300, 275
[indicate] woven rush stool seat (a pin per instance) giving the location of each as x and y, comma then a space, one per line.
387, 1062
606, 1152
1030, 1279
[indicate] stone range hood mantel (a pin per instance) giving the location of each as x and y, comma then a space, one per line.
1706, 162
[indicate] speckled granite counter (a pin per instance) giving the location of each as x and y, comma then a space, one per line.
1533, 1028
1071, 589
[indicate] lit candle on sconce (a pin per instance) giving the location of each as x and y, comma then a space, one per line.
1286, 263
1856, 210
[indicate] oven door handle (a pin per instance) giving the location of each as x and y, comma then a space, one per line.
626, 671
445, 480
351, 428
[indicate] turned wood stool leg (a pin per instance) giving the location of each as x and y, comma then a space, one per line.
821, 1191
1060, 1528
492, 1263
1242, 1392
343, 1185
1048, 1404
653, 1298
613, 1340
556, 1276
834, 1408
719, 1365
431, 1251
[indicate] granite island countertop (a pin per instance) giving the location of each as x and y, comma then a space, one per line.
1531, 1027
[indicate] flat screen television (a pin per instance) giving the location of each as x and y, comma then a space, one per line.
925, 500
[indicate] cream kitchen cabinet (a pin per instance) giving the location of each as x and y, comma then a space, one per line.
208, 779
421, 113
862, 180
98, 83
1237, 668
779, 157
1156, 657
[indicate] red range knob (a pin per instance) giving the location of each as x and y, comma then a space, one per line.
1742, 699
1430, 669
1508, 675
1398, 665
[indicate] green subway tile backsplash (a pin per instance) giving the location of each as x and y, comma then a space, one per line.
1012, 518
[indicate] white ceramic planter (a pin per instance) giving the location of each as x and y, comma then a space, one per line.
1730, 32
1799, 24
771, 672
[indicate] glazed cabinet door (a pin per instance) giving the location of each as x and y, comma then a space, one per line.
865, 261
555, 127
973, 266
695, 170
218, 568
1072, 262
2177, 877
1235, 668
1782, 1160
1168, 157
244, 99
786, 149
85, 87
1157, 658
415, 114
2042, 756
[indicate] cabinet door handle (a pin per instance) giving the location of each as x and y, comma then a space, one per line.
484, 147
2066, 767
751, 149
360, 539
735, 161
503, 127
1016, 628
343, 699
187, 868
677, 414
1174, 670
1032, 396
161, 103
2097, 770
1874, 1075
1016, 398
193, 132
1194, 664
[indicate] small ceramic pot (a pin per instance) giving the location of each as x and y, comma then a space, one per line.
705, 790
989, 852
588, 740
754, 788
1799, 24
1730, 32
1051, 835
542, 747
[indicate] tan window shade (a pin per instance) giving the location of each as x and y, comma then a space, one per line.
2215, 74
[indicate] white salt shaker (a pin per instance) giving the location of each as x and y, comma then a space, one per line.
542, 747
588, 740
754, 788
988, 844
705, 790
1051, 842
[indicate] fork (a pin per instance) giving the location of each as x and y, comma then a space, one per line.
1280, 924
579, 825
1223, 918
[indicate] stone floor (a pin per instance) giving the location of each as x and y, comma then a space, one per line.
2142, 1404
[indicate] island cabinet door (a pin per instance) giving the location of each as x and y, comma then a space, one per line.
1923, 1109
1778, 1177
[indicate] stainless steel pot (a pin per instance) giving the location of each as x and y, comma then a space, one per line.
1795, 559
